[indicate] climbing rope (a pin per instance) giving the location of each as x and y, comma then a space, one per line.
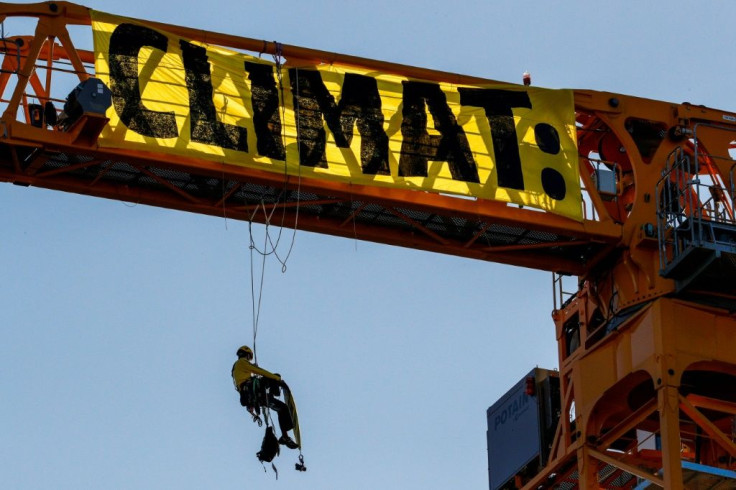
256, 311
270, 246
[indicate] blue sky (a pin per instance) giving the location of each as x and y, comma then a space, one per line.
120, 322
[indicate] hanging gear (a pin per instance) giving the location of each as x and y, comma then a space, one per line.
259, 391
269, 447
300, 465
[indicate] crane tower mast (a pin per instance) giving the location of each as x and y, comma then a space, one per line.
647, 342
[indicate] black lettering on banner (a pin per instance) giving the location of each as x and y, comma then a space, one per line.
418, 147
266, 117
548, 140
126, 42
498, 106
205, 128
360, 104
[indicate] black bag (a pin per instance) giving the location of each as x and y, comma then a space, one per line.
269, 446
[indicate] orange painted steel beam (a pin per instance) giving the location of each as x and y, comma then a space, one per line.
708, 427
633, 420
608, 458
486, 213
498, 211
709, 403
658, 344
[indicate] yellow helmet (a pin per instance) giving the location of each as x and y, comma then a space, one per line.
245, 351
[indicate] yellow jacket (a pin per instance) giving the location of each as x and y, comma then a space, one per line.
244, 370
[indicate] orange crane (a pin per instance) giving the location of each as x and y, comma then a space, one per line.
645, 343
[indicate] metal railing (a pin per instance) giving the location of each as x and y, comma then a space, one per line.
694, 207
561, 296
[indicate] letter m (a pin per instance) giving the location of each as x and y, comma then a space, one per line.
360, 103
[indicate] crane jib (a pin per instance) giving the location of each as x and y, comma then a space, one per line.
500, 142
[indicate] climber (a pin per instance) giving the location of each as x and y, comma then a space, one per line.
258, 387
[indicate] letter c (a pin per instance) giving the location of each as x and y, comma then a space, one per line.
126, 42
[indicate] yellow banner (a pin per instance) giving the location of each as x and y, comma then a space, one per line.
498, 142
